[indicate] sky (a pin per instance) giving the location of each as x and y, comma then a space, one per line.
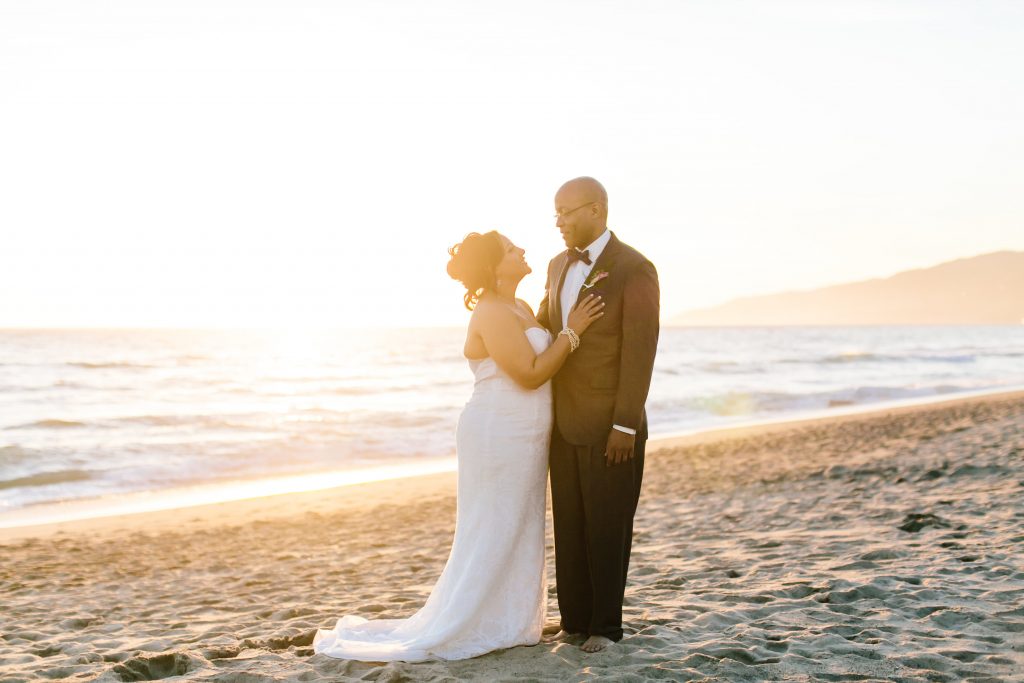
308, 164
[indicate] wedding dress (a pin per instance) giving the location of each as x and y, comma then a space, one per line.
491, 594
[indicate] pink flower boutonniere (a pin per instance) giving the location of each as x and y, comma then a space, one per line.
595, 278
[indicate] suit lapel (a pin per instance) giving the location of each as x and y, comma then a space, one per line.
603, 262
556, 300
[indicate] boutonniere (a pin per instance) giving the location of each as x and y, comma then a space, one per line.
595, 278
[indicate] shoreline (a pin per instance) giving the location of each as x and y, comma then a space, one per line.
221, 493
435, 479
829, 416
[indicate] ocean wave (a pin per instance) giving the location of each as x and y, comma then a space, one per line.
357, 391
20, 388
175, 420
67, 384
14, 453
731, 368
738, 403
732, 403
867, 357
278, 387
313, 417
46, 479
399, 388
761, 366
158, 420
98, 366
49, 424
236, 422
190, 359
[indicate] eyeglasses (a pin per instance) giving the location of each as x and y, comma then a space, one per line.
563, 214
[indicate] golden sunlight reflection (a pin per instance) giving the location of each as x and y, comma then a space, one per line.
292, 355
297, 345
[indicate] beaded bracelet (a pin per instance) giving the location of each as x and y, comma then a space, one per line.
574, 339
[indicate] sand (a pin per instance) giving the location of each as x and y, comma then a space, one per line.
887, 546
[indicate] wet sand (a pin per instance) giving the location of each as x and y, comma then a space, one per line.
884, 546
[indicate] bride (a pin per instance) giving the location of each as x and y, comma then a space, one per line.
491, 594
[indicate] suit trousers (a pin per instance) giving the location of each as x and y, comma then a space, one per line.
593, 505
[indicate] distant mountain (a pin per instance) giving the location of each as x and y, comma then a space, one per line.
986, 289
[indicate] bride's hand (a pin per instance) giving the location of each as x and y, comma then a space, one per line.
585, 312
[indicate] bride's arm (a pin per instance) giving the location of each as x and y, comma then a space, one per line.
506, 343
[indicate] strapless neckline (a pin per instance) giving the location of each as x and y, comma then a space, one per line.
547, 335
484, 368
546, 338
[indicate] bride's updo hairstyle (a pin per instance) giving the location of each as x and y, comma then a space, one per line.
473, 261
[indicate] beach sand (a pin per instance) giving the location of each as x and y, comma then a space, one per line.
885, 546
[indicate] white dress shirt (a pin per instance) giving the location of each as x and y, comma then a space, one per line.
575, 275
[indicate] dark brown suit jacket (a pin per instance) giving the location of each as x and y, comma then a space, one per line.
606, 380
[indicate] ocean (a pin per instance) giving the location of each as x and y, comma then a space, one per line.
101, 415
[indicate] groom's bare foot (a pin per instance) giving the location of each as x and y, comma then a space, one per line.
565, 637
596, 644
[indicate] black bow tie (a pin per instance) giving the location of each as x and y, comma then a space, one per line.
577, 255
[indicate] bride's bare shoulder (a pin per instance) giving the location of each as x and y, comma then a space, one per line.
487, 312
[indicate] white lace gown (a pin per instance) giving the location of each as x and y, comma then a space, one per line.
491, 594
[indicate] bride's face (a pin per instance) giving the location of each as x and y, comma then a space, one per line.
513, 266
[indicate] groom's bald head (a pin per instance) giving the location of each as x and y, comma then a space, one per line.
581, 205
586, 189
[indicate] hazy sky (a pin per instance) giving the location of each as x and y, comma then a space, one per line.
291, 163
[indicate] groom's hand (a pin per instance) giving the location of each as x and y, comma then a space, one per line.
620, 447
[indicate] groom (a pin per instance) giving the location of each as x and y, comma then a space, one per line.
597, 447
